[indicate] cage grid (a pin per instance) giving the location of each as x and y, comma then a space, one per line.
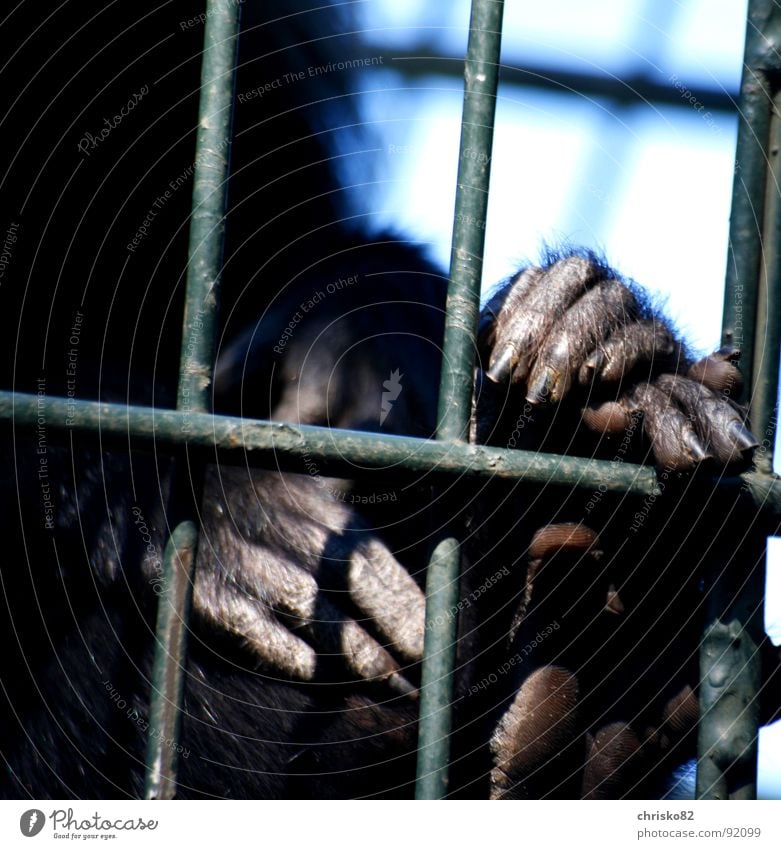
193, 436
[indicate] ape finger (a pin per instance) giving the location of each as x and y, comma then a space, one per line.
590, 320
386, 593
536, 735
674, 440
564, 536
718, 422
261, 615
610, 417
507, 298
298, 599
256, 628
641, 342
613, 761
342, 637
527, 318
719, 371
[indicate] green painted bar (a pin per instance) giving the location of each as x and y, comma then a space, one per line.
730, 666
767, 336
207, 237
345, 453
168, 673
481, 77
748, 193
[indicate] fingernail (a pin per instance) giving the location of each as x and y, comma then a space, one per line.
501, 365
591, 367
399, 684
595, 361
742, 436
614, 603
543, 387
696, 448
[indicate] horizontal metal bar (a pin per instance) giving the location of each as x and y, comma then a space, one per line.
349, 453
628, 90
345, 453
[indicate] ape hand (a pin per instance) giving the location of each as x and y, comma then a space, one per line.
311, 593
570, 729
573, 328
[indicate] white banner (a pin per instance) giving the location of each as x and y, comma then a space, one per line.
390, 825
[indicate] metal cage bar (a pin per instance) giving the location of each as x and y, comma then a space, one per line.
207, 236
283, 446
730, 662
481, 76
278, 445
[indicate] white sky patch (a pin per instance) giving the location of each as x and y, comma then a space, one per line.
671, 223
702, 47
773, 592
769, 775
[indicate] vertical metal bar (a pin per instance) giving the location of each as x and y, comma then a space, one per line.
767, 336
481, 74
730, 666
210, 194
730, 671
167, 677
747, 219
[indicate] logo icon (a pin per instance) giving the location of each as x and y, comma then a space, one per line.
392, 388
31, 822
